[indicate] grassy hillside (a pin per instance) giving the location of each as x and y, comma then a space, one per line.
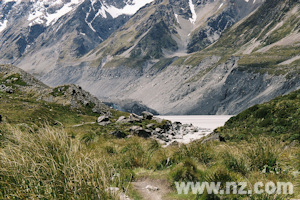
279, 118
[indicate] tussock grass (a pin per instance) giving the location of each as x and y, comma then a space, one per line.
264, 154
48, 164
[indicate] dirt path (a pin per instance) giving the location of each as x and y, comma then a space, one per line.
78, 125
152, 189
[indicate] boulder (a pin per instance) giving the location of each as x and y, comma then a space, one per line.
135, 118
213, 137
104, 123
122, 119
118, 134
132, 118
139, 131
158, 130
147, 115
158, 120
150, 126
103, 120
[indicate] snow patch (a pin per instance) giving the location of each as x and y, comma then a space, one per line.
221, 6
40, 15
3, 25
176, 16
129, 9
194, 15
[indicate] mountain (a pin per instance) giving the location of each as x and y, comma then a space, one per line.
38, 35
183, 57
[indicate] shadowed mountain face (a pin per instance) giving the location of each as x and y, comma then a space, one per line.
177, 57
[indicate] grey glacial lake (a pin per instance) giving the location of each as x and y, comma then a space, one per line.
202, 121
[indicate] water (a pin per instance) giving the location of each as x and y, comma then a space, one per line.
203, 121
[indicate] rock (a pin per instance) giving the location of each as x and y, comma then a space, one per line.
152, 188
213, 137
150, 126
177, 126
118, 134
104, 123
139, 131
147, 115
6, 89
134, 118
135, 128
158, 120
158, 130
121, 119
103, 120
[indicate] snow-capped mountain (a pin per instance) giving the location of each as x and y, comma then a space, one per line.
175, 56
47, 31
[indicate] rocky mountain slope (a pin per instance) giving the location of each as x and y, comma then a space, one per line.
190, 57
39, 35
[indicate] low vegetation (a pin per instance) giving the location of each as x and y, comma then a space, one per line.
278, 118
